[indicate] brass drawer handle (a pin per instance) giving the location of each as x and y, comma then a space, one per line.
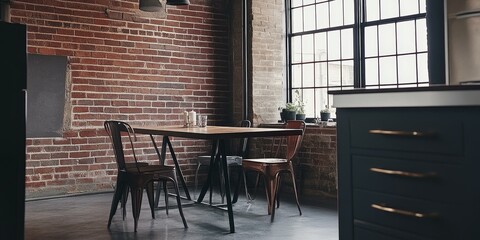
383, 207
400, 133
402, 173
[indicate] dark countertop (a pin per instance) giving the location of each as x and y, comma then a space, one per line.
464, 87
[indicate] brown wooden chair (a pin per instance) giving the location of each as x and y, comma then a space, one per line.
272, 168
136, 176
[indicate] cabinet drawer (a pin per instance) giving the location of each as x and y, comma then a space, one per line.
388, 130
361, 233
423, 180
430, 219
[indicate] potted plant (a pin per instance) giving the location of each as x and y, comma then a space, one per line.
325, 113
300, 106
289, 112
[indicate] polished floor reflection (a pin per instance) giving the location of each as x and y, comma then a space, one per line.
85, 217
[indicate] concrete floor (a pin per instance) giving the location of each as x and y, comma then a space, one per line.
85, 217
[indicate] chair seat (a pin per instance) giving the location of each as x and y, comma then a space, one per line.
151, 168
231, 160
267, 160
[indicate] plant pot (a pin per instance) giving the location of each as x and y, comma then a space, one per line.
289, 115
282, 116
300, 116
324, 116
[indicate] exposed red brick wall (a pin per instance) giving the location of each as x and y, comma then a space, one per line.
128, 65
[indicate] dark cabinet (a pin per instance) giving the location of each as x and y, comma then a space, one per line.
13, 73
409, 173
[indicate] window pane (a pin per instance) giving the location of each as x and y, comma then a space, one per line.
297, 20
308, 99
333, 45
371, 71
306, 2
421, 35
320, 46
322, 100
347, 43
307, 48
349, 8
371, 38
406, 37
347, 73
321, 74
322, 16
296, 3
423, 5
422, 67
386, 40
336, 13
308, 17
388, 9
308, 75
296, 49
334, 73
388, 70
408, 7
296, 76
373, 10
407, 69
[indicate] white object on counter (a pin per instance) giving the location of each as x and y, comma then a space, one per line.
192, 115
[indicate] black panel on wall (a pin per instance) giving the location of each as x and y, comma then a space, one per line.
46, 77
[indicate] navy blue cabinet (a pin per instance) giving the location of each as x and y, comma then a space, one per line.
409, 172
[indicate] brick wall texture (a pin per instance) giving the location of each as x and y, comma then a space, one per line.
147, 68
268, 60
128, 65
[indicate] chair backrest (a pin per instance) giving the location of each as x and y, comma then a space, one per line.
243, 143
114, 130
294, 142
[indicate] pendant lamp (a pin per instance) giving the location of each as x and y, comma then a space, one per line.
150, 5
178, 2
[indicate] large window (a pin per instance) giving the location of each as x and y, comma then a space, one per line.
343, 44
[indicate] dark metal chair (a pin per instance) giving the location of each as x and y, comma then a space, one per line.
136, 176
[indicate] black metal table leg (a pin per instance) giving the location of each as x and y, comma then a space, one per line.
227, 185
177, 166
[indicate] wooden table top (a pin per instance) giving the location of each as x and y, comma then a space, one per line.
215, 132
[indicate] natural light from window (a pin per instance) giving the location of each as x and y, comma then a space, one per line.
390, 50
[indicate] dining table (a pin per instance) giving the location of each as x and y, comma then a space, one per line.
218, 135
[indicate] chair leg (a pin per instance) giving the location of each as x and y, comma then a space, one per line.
279, 188
150, 193
157, 194
247, 195
270, 188
119, 192
196, 178
257, 182
275, 195
166, 196
136, 193
123, 202
295, 188
179, 204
